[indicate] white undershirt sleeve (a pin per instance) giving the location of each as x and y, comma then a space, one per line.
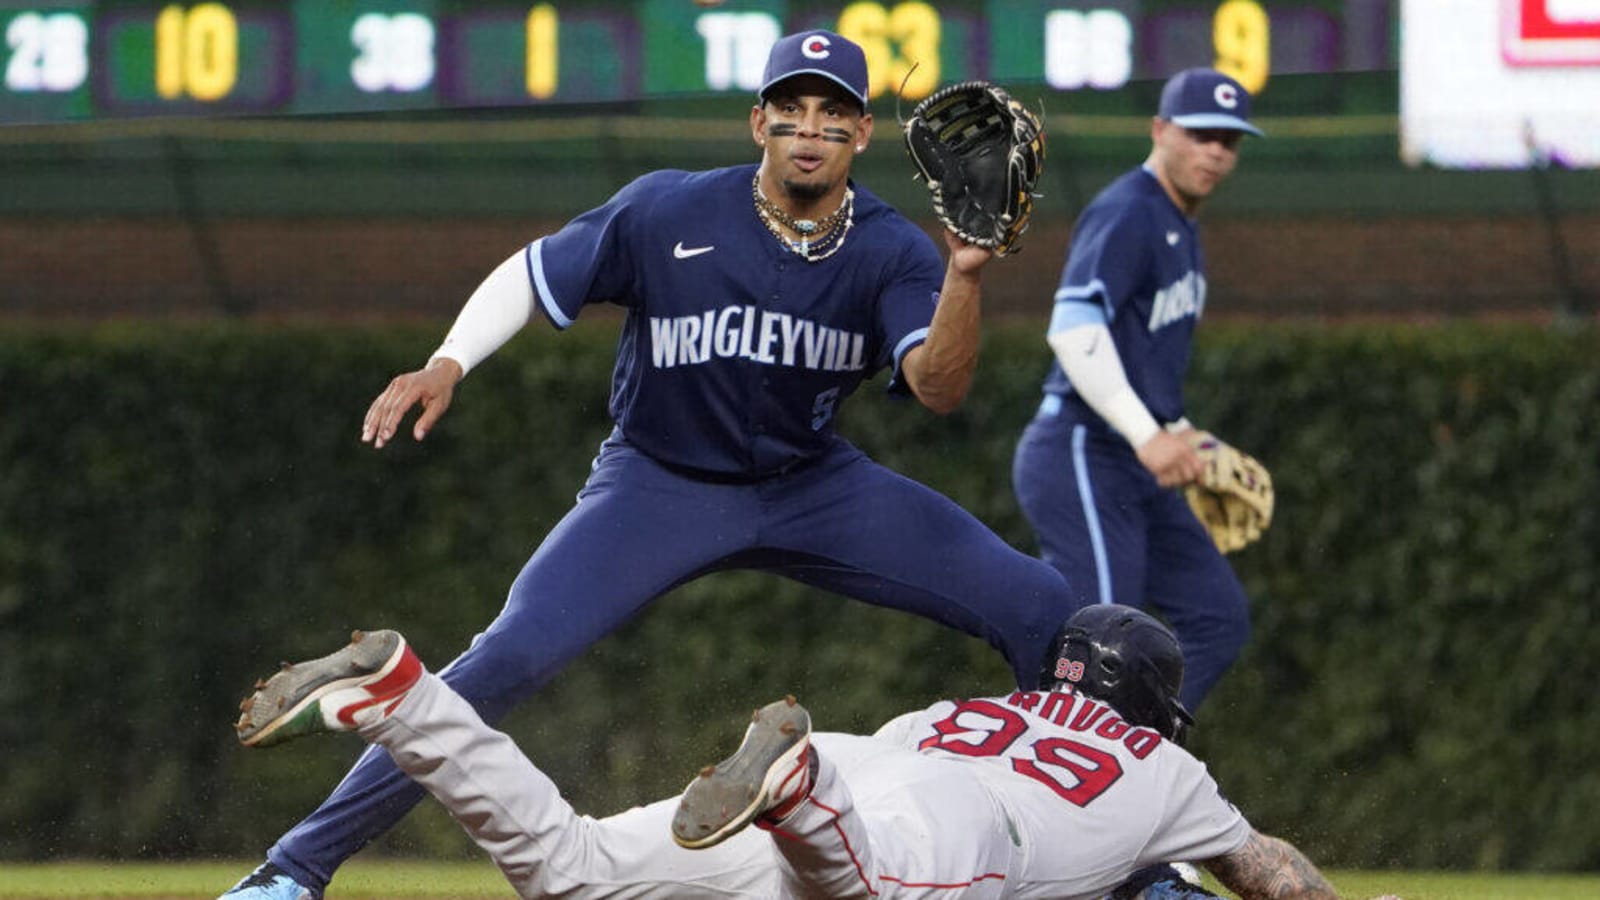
498, 309
1089, 358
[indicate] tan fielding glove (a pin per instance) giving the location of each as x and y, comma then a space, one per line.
1233, 498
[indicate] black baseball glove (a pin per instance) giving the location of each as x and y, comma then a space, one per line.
980, 153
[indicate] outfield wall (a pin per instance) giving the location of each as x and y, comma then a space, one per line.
376, 218
425, 267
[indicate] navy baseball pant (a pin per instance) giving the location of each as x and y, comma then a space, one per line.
1101, 516
841, 522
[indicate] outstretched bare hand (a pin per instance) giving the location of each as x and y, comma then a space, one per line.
433, 387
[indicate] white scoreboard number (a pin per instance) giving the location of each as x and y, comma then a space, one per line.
393, 52
1091, 48
736, 47
49, 53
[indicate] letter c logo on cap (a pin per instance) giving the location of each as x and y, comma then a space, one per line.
1227, 96
815, 47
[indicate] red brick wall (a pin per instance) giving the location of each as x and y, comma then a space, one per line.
415, 267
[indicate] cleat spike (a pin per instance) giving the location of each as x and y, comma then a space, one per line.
766, 779
337, 692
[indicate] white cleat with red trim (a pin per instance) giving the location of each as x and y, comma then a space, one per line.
763, 781
342, 691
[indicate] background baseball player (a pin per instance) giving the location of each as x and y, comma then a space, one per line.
1094, 470
1060, 793
758, 298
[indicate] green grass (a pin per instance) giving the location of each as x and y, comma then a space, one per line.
1466, 885
364, 878
390, 878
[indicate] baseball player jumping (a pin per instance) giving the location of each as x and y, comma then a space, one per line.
1094, 470
1057, 793
758, 297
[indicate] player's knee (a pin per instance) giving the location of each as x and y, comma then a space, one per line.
1041, 607
1240, 637
1235, 629
495, 672
1056, 593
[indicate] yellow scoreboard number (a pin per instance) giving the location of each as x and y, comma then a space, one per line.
1243, 38
543, 51
899, 41
197, 52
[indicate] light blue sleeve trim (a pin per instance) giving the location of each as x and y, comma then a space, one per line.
897, 377
1070, 314
906, 343
547, 299
1081, 292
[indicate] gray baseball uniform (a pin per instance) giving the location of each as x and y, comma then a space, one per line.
1031, 795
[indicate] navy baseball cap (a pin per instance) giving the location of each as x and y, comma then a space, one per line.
833, 56
1206, 98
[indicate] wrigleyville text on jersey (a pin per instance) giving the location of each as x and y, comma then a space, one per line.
771, 338
1184, 297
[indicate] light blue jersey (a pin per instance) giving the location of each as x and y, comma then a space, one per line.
1135, 264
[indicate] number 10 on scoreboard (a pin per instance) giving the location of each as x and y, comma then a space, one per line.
197, 52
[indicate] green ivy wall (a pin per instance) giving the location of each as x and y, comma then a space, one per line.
183, 506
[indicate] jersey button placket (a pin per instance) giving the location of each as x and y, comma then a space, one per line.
766, 371
761, 398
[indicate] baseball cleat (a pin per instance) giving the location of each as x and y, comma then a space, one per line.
766, 778
268, 882
342, 691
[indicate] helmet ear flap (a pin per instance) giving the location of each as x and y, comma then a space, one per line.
1166, 713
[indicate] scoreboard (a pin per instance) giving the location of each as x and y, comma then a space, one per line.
68, 60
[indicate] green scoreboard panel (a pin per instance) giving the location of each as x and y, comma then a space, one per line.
75, 59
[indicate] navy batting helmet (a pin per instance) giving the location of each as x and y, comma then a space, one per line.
1126, 658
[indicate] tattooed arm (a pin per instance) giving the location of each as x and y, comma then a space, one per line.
1267, 868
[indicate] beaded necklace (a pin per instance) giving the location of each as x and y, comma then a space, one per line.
819, 239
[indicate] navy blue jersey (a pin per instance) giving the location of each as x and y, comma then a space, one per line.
1137, 256
736, 352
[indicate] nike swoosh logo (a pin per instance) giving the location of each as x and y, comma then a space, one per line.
1093, 345
682, 252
